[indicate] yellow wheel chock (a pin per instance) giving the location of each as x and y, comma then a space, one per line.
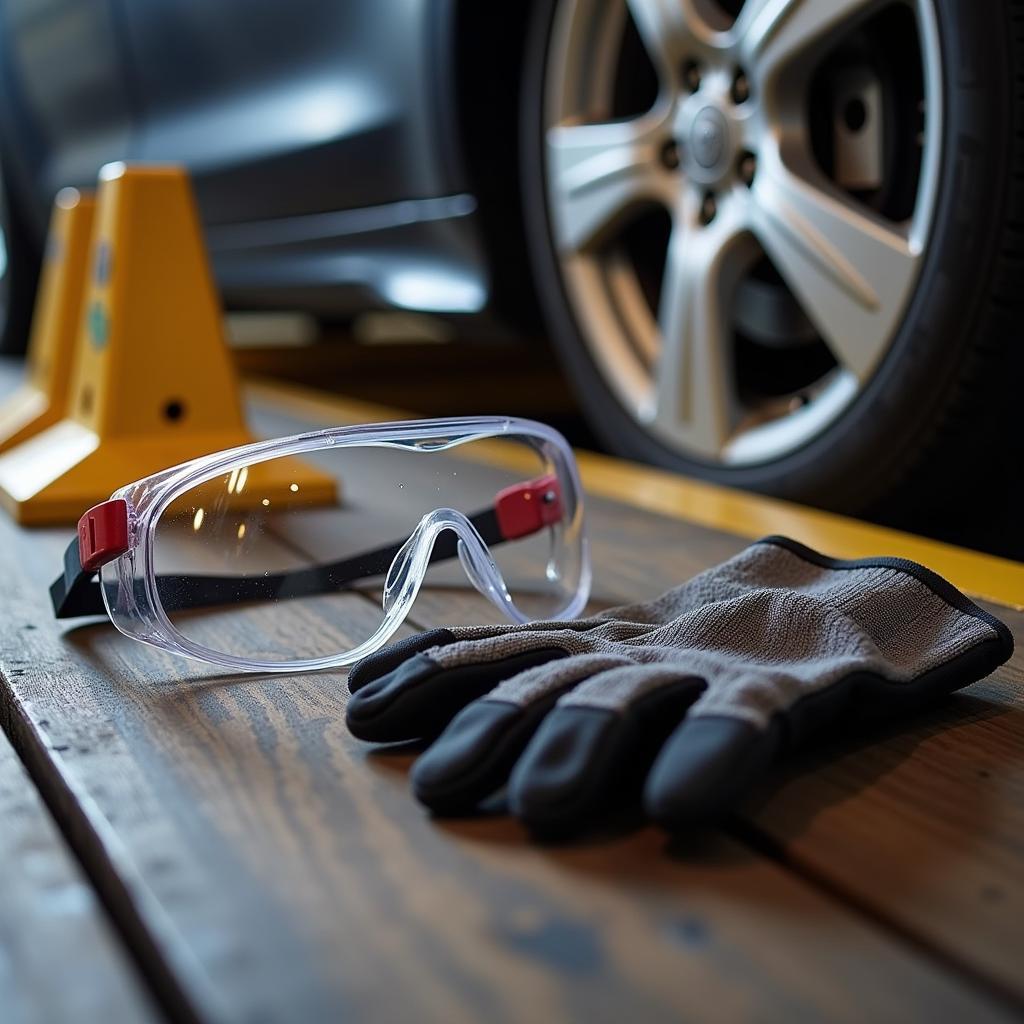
152, 382
43, 399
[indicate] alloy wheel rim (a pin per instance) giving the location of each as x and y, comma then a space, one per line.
724, 149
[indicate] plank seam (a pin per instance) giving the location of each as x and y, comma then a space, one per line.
114, 895
760, 842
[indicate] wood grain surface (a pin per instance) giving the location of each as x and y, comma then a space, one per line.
263, 865
60, 960
947, 874
920, 823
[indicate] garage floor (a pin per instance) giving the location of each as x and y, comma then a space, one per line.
222, 850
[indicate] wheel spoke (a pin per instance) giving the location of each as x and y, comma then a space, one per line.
850, 271
662, 28
667, 28
772, 33
600, 173
693, 392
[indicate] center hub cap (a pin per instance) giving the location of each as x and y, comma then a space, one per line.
707, 139
708, 136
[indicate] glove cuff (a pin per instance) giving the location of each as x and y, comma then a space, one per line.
938, 585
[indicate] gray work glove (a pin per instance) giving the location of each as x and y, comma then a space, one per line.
687, 697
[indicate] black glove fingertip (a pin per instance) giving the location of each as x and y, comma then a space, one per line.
420, 697
471, 759
706, 766
564, 771
377, 711
586, 761
373, 666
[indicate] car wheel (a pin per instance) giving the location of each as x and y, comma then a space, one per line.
18, 276
777, 243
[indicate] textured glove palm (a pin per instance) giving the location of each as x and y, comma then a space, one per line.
689, 696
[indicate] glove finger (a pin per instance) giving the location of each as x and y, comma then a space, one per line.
594, 749
417, 699
706, 765
474, 755
388, 658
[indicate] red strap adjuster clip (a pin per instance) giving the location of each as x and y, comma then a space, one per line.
525, 508
103, 533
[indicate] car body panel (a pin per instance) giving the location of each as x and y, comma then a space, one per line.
66, 106
319, 136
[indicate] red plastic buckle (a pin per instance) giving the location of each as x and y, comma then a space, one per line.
103, 533
525, 508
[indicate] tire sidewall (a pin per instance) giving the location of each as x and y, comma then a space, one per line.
18, 287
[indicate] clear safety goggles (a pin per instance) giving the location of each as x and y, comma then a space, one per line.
203, 558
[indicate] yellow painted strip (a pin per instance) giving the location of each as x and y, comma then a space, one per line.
720, 508
750, 515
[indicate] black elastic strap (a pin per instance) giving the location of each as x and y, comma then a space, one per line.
78, 593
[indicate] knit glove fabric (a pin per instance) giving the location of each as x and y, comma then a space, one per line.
686, 698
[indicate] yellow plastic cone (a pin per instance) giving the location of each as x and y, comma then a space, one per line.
153, 382
42, 400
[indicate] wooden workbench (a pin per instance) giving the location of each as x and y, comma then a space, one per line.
222, 849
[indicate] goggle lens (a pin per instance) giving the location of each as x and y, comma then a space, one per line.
248, 566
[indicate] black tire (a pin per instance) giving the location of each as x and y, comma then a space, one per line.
19, 278
935, 426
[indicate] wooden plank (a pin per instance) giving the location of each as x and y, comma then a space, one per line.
135, 746
922, 823
279, 870
59, 959
265, 865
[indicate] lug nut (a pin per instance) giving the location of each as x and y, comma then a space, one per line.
708, 209
740, 88
747, 168
691, 75
670, 155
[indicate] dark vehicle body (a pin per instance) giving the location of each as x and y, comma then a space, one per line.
323, 139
